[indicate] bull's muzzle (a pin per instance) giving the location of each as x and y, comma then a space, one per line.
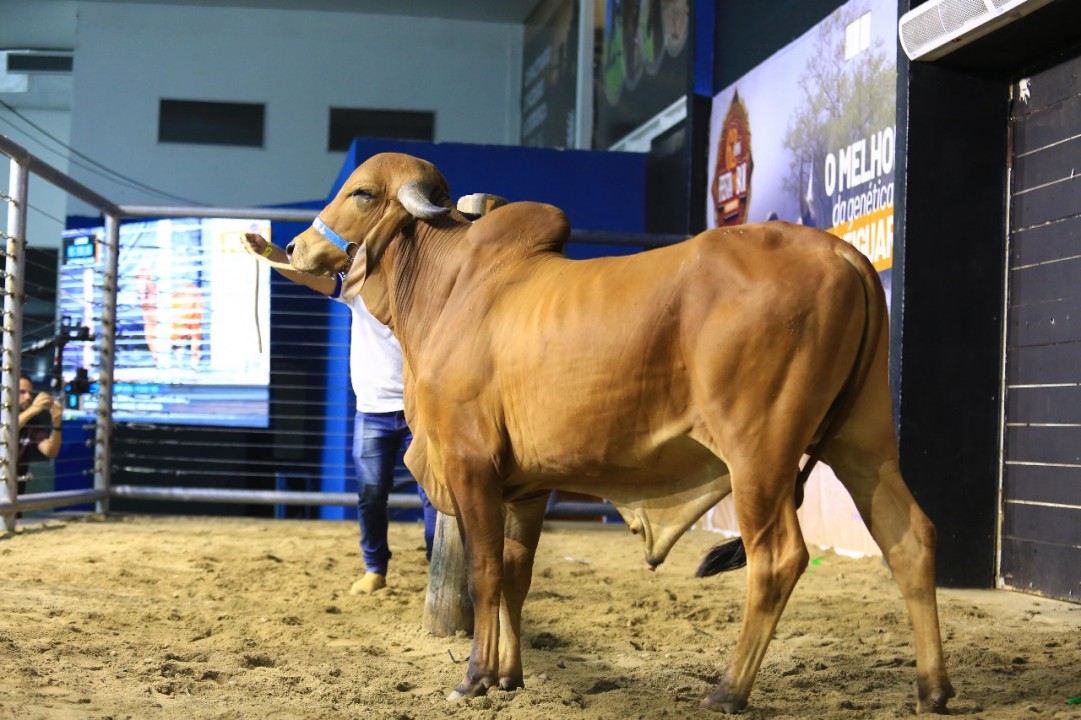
310, 253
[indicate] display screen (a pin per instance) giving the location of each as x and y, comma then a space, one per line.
192, 322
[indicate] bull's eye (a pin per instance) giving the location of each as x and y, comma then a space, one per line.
362, 194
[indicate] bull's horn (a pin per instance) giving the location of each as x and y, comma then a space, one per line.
414, 198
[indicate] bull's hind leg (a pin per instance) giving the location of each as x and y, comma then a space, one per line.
863, 454
776, 557
522, 532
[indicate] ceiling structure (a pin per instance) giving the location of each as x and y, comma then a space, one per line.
502, 11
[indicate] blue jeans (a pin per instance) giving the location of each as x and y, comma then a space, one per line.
378, 438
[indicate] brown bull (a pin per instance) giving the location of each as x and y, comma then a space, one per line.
662, 381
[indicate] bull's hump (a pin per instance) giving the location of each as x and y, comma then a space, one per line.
529, 225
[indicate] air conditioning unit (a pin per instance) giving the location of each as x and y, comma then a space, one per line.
938, 27
33, 62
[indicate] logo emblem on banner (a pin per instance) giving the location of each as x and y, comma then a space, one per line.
732, 177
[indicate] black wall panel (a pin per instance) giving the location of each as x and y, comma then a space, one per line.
1041, 512
949, 260
750, 32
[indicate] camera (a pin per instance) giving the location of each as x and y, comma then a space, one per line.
80, 383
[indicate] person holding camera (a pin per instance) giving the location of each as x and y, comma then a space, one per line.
39, 439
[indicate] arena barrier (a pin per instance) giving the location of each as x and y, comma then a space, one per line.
129, 462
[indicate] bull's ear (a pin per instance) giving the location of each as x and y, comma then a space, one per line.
384, 231
371, 288
374, 295
375, 244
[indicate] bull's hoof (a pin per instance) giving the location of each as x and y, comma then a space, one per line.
935, 701
470, 690
511, 683
720, 702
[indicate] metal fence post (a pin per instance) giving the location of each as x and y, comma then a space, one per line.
104, 433
14, 267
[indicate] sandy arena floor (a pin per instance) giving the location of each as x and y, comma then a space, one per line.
206, 619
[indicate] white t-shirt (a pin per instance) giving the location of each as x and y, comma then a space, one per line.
375, 361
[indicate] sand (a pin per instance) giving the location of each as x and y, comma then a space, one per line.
195, 618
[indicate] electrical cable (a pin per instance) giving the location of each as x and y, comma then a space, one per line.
117, 177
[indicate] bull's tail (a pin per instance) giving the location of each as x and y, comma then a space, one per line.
731, 554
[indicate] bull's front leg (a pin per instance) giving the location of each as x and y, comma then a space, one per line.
523, 528
480, 521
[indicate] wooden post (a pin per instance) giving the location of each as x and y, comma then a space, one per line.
447, 606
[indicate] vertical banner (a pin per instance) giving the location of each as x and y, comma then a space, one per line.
550, 75
644, 67
808, 136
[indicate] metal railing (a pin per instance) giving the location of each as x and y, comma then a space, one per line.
23, 165
145, 455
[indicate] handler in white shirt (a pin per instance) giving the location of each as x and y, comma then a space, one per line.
380, 432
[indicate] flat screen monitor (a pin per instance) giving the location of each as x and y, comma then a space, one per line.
192, 322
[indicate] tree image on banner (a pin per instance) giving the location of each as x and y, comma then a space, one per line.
840, 137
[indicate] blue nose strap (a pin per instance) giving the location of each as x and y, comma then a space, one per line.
323, 229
